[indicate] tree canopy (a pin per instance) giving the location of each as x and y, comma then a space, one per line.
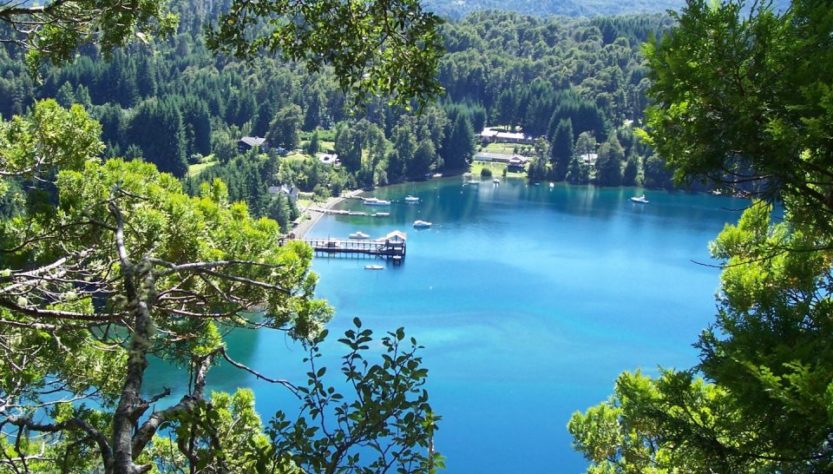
739, 96
105, 264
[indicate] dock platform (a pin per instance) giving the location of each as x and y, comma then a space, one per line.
392, 246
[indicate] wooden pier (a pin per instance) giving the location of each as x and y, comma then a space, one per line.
392, 246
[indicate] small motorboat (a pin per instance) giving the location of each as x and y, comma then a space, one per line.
372, 201
411, 199
496, 181
359, 236
374, 267
421, 224
640, 199
552, 185
473, 182
380, 214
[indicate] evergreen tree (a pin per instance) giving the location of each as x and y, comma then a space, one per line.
312, 115
158, 130
561, 151
424, 157
630, 176
82, 96
65, 95
282, 210
404, 147
198, 125
314, 145
460, 144
578, 172
348, 147
609, 162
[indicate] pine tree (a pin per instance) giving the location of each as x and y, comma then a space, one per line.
460, 144
561, 151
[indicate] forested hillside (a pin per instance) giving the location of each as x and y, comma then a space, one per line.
184, 109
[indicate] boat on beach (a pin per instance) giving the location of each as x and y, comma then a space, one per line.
640, 199
359, 236
418, 224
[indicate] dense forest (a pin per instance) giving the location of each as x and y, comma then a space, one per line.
579, 84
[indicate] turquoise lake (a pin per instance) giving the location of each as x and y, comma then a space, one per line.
530, 300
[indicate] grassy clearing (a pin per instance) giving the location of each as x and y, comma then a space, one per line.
296, 157
508, 148
327, 146
497, 170
197, 168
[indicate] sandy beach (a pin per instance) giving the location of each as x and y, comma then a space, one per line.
313, 210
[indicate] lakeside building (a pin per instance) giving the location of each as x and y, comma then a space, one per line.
290, 191
492, 135
500, 158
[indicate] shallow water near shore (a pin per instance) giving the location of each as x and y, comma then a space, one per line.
529, 300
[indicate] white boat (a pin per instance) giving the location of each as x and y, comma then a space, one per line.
410, 198
421, 224
358, 236
374, 267
372, 201
496, 181
640, 199
552, 185
380, 214
473, 182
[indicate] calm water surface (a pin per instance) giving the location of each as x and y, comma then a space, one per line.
529, 300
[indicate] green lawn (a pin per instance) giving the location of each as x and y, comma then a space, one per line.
506, 148
197, 168
296, 157
497, 170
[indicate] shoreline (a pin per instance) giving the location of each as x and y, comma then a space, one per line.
300, 230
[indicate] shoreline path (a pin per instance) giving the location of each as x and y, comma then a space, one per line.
305, 225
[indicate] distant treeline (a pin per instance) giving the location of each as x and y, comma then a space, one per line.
575, 82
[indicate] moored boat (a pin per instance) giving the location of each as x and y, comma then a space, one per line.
640, 199
372, 201
411, 199
418, 224
358, 236
374, 267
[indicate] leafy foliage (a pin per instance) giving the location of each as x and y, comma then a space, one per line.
390, 421
750, 105
385, 47
738, 98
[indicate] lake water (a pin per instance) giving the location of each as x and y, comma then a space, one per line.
530, 300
